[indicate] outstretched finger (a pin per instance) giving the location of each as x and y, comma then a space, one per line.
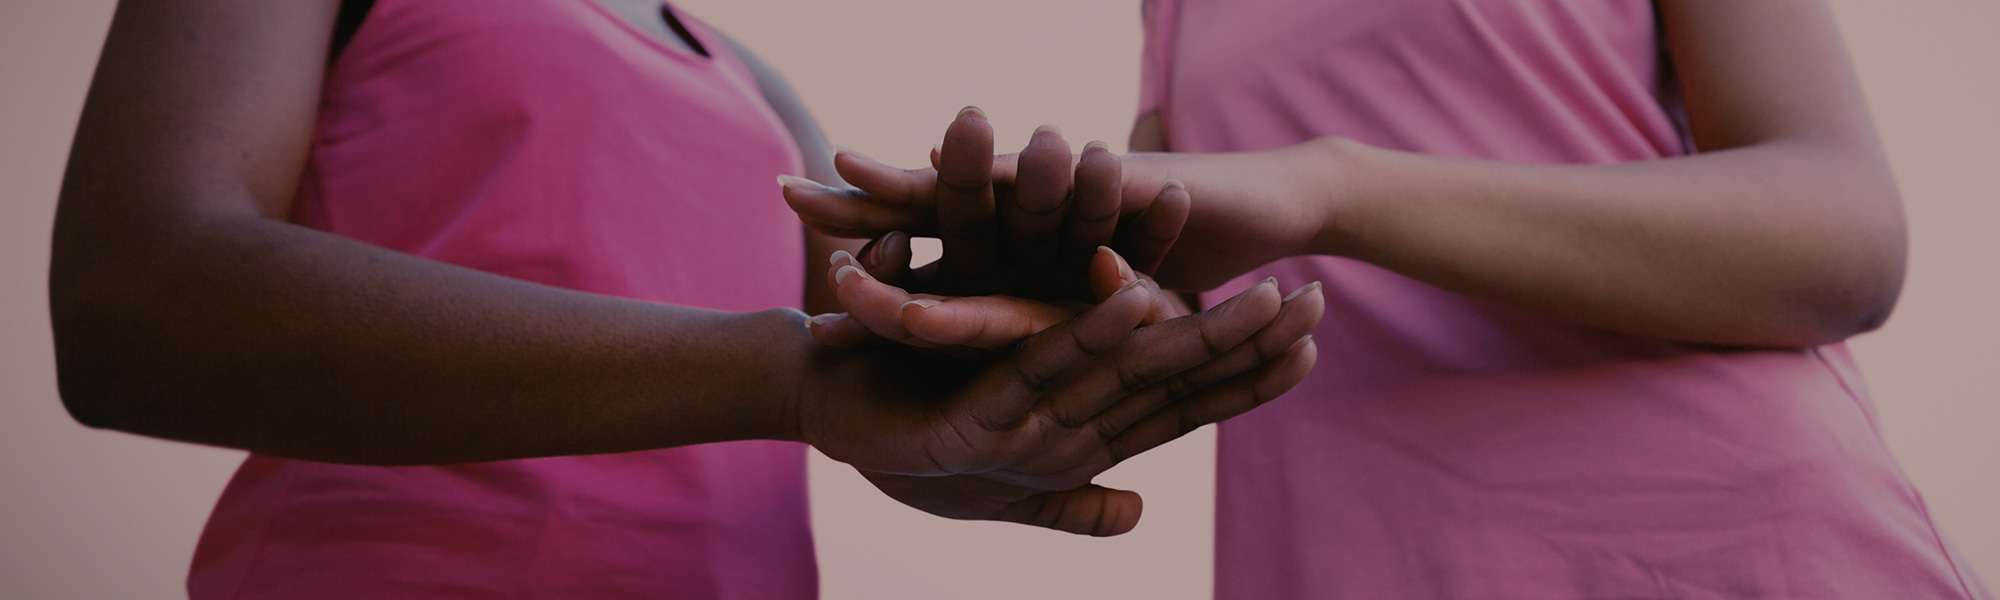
1091, 510
1000, 397
852, 213
1150, 235
985, 322
1156, 352
1301, 313
1093, 215
1220, 402
1032, 217
883, 183
965, 217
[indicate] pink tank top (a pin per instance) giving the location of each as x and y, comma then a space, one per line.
550, 141
1446, 447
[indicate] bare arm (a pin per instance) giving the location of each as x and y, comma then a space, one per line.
184, 308
1785, 231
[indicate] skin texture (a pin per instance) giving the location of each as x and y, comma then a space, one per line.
1786, 230
185, 308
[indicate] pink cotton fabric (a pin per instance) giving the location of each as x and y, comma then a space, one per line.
1446, 447
545, 140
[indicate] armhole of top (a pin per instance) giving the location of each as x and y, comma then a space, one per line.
352, 13
680, 29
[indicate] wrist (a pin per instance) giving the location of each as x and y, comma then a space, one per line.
1336, 185
777, 397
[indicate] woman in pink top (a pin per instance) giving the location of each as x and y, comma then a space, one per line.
1588, 265
522, 229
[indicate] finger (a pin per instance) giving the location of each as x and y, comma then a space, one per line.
965, 197
1091, 510
987, 322
1093, 215
838, 330
1109, 272
1157, 352
1301, 313
886, 184
852, 213
1032, 219
887, 258
1150, 235
874, 305
1233, 397
999, 398
1005, 166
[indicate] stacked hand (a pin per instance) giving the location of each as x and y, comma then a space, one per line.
1037, 399
1251, 212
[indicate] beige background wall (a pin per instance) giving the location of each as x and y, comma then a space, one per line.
87, 514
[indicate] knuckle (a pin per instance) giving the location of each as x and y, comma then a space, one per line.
1133, 380
1180, 387
1030, 377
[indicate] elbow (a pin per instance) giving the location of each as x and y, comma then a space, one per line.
86, 369
1857, 292
102, 347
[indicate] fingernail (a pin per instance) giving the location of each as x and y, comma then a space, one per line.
1124, 269
823, 320
1302, 291
799, 182
1270, 281
1048, 128
873, 250
838, 257
1134, 284
840, 276
972, 110
1302, 342
1175, 183
1098, 144
938, 148
917, 303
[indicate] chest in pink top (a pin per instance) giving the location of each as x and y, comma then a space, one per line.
545, 140
1446, 447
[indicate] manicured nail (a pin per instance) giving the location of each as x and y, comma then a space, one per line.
840, 276
1302, 291
971, 110
1124, 269
905, 309
840, 256
800, 182
824, 320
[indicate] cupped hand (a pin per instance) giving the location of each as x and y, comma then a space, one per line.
1018, 437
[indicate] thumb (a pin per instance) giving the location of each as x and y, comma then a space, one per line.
1091, 510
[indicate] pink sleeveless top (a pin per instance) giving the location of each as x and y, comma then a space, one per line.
550, 141
1446, 447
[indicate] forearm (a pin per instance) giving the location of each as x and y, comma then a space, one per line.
255, 334
1769, 245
